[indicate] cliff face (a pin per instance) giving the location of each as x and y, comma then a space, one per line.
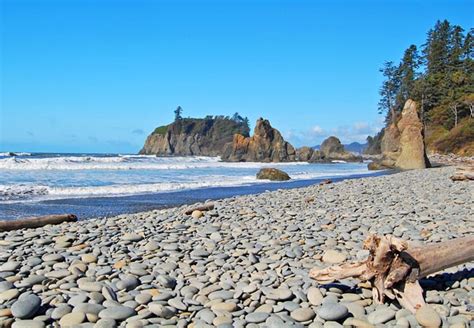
189, 136
266, 145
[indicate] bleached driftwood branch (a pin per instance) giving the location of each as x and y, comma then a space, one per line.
394, 267
36, 222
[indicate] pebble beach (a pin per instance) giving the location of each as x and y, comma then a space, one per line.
244, 263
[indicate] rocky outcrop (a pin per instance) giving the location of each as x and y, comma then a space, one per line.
403, 144
191, 136
266, 145
272, 174
332, 149
304, 154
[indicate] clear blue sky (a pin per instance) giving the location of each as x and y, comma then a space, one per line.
98, 76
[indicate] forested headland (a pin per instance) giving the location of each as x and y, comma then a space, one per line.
439, 76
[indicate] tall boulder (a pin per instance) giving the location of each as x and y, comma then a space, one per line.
403, 143
266, 145
412, 144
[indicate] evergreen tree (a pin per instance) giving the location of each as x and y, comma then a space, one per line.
407, 73
436, 48
178, 114
389, 90
456, 48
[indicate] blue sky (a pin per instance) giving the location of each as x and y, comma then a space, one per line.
98, 76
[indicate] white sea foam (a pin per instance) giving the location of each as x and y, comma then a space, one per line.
41, 192
55, 176
124, 162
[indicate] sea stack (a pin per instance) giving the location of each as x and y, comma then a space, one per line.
266, 145
403, 145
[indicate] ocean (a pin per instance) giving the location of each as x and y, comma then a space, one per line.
93, 185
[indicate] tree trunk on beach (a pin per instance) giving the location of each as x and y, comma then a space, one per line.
36, 222
394, 267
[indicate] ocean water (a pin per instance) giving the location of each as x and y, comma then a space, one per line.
27, 180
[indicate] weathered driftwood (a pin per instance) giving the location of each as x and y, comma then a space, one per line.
394, 267
463, 174
36, 222
202, 208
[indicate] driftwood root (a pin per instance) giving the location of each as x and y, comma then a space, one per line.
394, 267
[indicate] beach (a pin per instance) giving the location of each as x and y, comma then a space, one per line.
244, 263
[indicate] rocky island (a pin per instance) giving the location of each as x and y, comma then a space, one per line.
194, 136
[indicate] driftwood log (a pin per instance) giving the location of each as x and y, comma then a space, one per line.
202, 208
394, 267
36, 222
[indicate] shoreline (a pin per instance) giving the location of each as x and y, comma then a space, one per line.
101, 206
243, 264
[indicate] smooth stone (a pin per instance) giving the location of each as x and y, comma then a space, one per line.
143, 298
333, 311
89, 286
161, 310
60, 311
9, 294
166, 281
88, 308
26, 306
332, 256
428, 317
303, 314
279, 294
151, 246
105, 323
358, 323
5, 285
177, 304
88, 258
28, 324
225, 307
196, 214
221, 294
73, 318
315, 297
117, 312
256, 317
131, 237
10, 266
380, 316
222, 321
128, 283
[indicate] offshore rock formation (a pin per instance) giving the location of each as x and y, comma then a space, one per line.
403, 144
193, 136
332, 149
266, 145
304, 154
